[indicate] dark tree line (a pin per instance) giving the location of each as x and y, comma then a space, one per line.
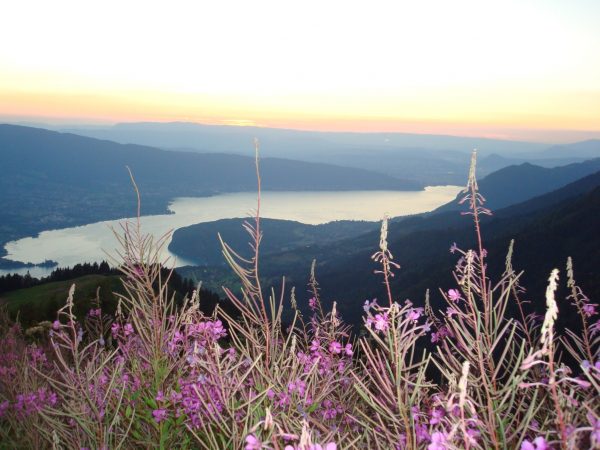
181, 287
15, 281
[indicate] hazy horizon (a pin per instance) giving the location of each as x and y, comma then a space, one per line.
506, 70
549, 137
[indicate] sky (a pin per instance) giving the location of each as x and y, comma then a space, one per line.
518, 69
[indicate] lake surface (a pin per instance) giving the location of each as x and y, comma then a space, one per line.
90, 243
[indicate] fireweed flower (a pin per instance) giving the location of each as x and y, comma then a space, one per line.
312, 303
348, 350
539, 443
335, 347
438, 441
454, 295
128, 329
380, 322
414, 313
252, 443
159, 415
329, 446
589, 309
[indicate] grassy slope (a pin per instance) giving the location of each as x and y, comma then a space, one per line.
34, 303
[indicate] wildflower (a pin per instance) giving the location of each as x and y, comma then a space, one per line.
252, 443
436, 416
335, 347
381, 322
315, 346
329, 446
128, 329
348, 350
114, 329
298, 385
312, 303
56, 325
539, 443
438, 441
589, 309
454, 295
159, 415
414, 314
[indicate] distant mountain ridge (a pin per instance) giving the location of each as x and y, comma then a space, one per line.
589, 149
53, 180
515, 184
228, 138
430, 159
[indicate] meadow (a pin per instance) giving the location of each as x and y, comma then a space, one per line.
160, 373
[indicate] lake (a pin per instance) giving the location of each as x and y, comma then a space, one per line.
89, 243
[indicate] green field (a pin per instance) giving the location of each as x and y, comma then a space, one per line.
41, 302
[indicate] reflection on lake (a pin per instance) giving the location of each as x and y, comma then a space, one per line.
88, 243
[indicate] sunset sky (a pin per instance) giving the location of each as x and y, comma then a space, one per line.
511, 69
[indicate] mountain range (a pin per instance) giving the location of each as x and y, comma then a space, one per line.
55, 180
430, 159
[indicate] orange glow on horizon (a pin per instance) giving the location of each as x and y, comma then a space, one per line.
167, 107
520, 70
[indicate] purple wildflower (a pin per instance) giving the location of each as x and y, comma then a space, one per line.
414, 314
539, 443
335, 347
348, 350
381, 322
589, 309
454, 295
252, 443
159, 415
438, 441
128, 329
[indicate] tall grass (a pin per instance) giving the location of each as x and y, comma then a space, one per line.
157, 375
